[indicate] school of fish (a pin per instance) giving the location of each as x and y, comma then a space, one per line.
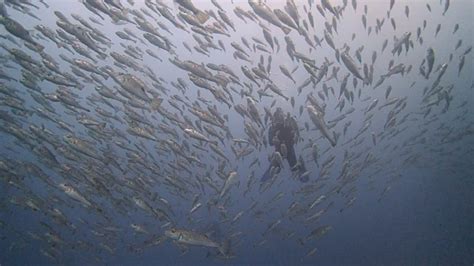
146, 118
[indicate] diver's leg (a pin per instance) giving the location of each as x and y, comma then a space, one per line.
302, 167
291, 157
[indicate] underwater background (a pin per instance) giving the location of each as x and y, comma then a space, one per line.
123, 121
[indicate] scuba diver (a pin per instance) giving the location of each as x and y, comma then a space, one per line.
283, 135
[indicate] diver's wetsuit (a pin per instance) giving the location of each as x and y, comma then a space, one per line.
284, 135
285, 132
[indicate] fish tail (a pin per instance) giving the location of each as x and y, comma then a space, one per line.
286, 30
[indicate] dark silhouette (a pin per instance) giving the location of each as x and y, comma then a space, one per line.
283, 135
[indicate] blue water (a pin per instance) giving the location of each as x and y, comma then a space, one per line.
404, 200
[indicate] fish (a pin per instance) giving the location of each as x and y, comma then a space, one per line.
317, 119
311, 252
187, 237
195, 207
277, 90
398, 43
319, 232
430, 57
73, 193
438, 28
200, 15
16, 29
446, 6
326, 4
461, 65
230, 180
350, 64
456, 28
285, 18
317, 201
